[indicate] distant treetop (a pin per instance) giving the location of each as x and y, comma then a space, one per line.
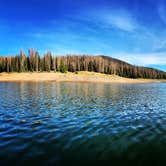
73, 63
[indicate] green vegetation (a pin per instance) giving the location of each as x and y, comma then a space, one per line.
63, 67
74, 63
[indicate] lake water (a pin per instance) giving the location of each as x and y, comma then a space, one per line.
82, 124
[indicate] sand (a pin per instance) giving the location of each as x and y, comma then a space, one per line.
71, 77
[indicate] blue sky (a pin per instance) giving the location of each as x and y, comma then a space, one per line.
131, 30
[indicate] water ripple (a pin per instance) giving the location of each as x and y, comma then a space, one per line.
82, 123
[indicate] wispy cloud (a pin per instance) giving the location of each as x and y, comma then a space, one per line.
145, 59
121, 19
162, 12
111, 18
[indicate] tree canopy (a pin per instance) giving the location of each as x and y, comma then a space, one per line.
103, 64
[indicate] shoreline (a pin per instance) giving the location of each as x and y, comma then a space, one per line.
82, 76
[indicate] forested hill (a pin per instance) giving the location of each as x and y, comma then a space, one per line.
103, 64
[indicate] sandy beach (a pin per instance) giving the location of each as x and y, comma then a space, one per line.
70, 77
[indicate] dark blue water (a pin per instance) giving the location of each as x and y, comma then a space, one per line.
82, 124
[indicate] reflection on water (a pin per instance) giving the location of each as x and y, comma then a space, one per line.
82, 123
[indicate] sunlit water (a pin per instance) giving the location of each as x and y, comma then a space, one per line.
82, 124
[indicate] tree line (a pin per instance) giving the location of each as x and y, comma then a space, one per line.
33, 62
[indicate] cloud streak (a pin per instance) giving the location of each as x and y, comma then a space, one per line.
162, 13
111, 18
146, 59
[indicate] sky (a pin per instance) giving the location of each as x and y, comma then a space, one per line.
130, 30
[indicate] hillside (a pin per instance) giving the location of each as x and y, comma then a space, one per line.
73, 63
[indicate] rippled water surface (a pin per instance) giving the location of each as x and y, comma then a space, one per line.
82, 124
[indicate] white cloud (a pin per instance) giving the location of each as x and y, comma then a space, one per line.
144, 59
119, 18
